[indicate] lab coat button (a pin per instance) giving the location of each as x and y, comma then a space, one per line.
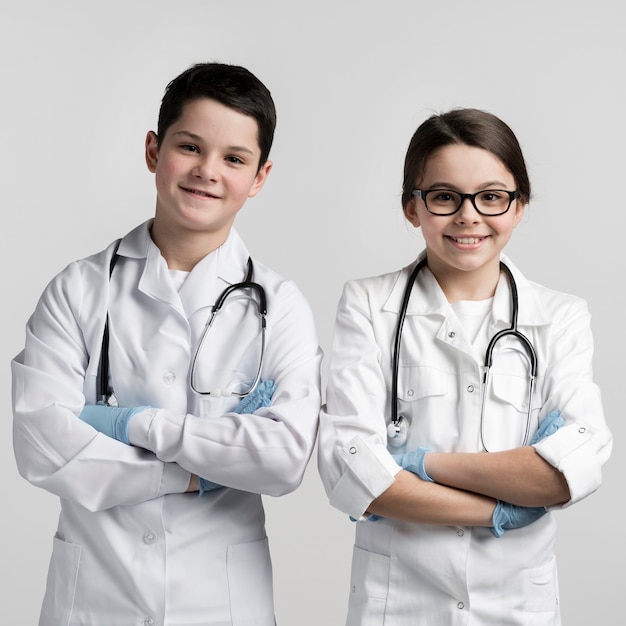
352, 450
451, 334
460, 532
582, 430
470, 388
169, 378
149, 538
148, 621
410, 392
460, 605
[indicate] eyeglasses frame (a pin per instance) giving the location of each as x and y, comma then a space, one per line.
421, 194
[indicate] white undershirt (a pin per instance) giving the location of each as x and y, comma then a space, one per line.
178, 278
473, 316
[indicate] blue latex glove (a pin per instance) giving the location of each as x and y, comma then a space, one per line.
371, 518
549, 425
507, 516
261, 396
110, 420
414, 462
207, 485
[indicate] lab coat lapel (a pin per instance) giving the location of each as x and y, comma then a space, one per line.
427, 298
154, 280
223, 267
530, 311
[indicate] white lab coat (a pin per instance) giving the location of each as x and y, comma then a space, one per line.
420, 575
131, 547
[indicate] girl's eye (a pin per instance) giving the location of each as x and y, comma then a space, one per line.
444, 197
491, 196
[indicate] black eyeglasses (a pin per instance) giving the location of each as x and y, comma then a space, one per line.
487, 202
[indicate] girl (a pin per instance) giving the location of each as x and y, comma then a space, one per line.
453, 494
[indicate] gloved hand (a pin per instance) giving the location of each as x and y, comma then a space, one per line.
371, 518
507, 516
549, 425
110, 420
207, 485
414, 462
261, 396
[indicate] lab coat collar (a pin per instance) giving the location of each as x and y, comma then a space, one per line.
220, 268
531, 312
434, 302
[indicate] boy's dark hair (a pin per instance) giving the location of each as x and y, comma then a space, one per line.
470, 127
230, 85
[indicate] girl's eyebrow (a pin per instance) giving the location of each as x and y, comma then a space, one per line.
492, 184
199, 139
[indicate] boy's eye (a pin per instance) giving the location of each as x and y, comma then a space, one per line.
234, 159
189, 147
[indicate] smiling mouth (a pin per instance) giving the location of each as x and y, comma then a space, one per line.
198, 192
467, 240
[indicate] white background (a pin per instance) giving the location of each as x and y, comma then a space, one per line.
81, 85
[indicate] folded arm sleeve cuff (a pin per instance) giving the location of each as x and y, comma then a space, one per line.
578, 452
369, 470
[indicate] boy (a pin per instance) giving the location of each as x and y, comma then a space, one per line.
161, 514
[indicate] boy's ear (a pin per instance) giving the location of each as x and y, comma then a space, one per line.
260, 179
152, 151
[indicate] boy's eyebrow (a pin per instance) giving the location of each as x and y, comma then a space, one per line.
199, 139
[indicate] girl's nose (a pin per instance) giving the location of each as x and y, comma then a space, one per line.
467, 214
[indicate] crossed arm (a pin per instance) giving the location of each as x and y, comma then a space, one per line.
501, 490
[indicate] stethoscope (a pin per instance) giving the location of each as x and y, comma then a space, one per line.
397, 431
106, 392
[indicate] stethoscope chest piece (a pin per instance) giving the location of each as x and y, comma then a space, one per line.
397, 432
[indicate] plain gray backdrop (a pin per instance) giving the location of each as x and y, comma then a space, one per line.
81, 85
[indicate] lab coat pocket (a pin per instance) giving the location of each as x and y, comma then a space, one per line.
541, 591
250, 584
422, 392
369, 583
62, 574
506, 421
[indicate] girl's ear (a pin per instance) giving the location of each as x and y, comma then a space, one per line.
520, 207
410, 212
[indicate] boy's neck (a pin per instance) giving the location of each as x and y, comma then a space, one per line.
183, 249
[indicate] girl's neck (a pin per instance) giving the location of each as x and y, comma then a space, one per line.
477, 284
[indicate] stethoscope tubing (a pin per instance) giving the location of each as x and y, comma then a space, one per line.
247, 283
106, 393
394, 427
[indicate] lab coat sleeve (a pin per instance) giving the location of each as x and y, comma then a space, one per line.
54, 449
265, 452
353, 460
583, 444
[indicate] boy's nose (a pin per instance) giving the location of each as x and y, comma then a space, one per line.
206, 168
